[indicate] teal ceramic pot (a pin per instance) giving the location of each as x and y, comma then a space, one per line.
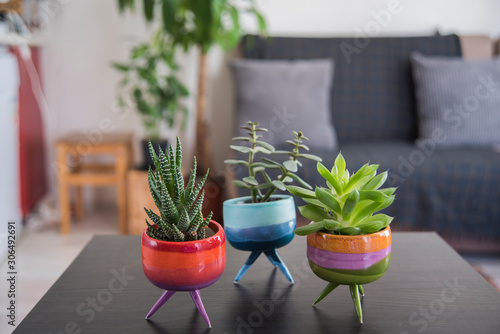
259, 226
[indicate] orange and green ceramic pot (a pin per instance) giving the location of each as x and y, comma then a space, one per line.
184, 266
349, 260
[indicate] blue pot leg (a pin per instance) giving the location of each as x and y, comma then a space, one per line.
195, 296
248, 263
162, 300
273, 256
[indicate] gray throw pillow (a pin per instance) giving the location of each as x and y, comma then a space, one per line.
458, 101
285, 96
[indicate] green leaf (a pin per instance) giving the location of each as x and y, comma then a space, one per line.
183, 223
241, 138
309, 228
260, 149
280, 185
373, 195
272, 162
251, 180
309, 156
371, 226
300, 181
236, 162
340, 165
265, 145
313, 213
332, 225
178, 154
241, 184
389, 191
329, 177
350, 204
363, 175
258, 169
362, 212
350, 231
291, 165
242, 149
263, 186
301, 192
316, 202
327, 198
148, 6
120, 67
376, 182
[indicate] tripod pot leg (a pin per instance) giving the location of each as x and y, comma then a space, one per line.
159, 303
356, 300
195, 295
326, 291
273, 256
248, 263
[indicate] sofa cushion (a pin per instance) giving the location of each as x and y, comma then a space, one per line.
372, 95
448, 190
457, 100
286, 95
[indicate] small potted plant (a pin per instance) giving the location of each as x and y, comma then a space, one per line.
151, 87
263, 221
181, 250
347, 242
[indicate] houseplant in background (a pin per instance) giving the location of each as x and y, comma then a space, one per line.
263, 222
181, 250
150, 85
347, 243
202, 24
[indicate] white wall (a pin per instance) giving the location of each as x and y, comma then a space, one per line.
86, 35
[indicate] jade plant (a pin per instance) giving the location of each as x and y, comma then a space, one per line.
179, 205
258, 181
349, 203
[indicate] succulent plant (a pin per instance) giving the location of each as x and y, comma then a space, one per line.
349, 203
180, 217
258, 168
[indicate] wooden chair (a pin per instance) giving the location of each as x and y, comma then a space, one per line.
73, 170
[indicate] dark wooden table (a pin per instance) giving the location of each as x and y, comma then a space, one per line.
428, 288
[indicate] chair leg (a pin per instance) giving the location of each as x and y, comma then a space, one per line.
64, 198
64, 207
79, 203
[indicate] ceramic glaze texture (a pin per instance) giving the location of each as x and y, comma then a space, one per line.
184, 266
346, 259
259, 226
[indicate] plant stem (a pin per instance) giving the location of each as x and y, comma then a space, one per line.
251, 173
285, 174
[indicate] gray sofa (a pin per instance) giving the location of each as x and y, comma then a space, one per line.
454, 191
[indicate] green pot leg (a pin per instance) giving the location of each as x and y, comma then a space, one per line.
361, 291
356, 300
329, 288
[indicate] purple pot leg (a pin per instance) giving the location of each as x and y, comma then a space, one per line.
159, 303
195, 295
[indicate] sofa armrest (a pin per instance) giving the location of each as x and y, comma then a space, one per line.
476, 46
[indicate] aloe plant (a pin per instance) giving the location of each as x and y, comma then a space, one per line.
348, 204
258, 180
180, 217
